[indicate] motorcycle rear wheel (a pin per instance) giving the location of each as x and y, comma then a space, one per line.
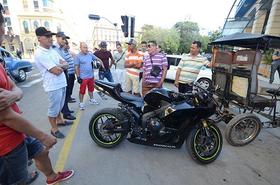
202, 148
243, 129
100, 125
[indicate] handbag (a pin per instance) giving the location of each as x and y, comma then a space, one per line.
155, 69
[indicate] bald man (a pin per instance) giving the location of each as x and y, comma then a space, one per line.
85, 73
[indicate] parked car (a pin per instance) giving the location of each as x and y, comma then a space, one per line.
16, 67
204, 77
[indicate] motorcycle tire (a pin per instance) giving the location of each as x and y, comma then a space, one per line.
104, 118
242, 129
198, 144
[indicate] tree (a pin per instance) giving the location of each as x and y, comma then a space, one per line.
188, 32
167, 38
214, 35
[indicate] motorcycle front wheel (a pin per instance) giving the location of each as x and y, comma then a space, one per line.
204, 144
103, 123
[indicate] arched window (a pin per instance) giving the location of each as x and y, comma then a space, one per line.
35, 24
25, 27
47, 24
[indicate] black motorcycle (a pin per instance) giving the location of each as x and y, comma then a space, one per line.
162, 119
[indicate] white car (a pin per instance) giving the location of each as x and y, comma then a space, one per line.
204, 77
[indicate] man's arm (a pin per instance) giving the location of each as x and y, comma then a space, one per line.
16, 122
275, 57
164, 68
101, 62
7, 98
178, 72
63, 64
112, 61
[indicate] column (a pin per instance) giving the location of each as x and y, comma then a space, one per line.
273, 24
259, 19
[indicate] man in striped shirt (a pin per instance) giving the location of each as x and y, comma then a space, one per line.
154, 58
59, 47
189, 67
133, 63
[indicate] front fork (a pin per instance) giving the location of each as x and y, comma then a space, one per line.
205, 127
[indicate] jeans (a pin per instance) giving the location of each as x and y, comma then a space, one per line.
106, 74
13, 166
274, 67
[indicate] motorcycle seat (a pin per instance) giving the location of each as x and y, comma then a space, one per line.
110, 84
136, 100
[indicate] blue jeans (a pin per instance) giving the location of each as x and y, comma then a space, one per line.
13, 166
106, 74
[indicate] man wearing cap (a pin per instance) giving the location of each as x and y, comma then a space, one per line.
133, 63
16, 143
52, 66
105, 56
69, 73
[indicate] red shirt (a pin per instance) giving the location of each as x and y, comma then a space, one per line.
9, 138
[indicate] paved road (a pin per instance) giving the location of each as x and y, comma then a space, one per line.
255, 164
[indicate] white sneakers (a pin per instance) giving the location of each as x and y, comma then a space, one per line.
93, 101
82, 106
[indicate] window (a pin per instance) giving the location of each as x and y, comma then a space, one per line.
45, 3
5, 2
25, 27
35, 24
25, 4
36, 5
8, 21
58, 28
47, 24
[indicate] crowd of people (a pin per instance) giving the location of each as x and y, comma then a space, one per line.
138, 70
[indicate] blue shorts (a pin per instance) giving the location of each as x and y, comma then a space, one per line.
13, 166
56, 101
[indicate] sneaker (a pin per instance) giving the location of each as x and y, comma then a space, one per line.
82, 107
93, 101
61, 176
58, 134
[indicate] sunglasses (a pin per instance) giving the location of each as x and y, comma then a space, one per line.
150, 45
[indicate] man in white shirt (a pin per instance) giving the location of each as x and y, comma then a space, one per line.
51, 66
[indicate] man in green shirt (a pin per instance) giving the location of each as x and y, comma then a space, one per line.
189, 67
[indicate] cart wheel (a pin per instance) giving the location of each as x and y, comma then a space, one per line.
242, 129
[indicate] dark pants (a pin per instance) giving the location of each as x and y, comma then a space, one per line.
274, 67
183, 88
70, 84
65, 109
106, 74
13, 166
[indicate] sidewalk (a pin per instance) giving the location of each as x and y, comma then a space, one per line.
264, 83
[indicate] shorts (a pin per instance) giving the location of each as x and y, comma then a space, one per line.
56, 101
13, 166
87, 83
132, 84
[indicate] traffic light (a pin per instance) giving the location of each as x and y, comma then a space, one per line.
132, 26
125, 25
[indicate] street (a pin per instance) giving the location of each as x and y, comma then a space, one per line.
130, 164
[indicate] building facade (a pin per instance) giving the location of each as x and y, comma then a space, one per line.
255, 16
23, 17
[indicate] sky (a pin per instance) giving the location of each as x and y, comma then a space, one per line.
209, 14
